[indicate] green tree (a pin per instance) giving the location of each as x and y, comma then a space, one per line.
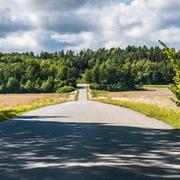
48, 86
29, 87
13, 85
172, 55
87, 76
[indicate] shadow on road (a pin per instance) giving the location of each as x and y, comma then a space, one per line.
79, 151
39, 117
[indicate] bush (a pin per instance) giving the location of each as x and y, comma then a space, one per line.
173, 57
111, 87
65, 89
12, 85
95, 86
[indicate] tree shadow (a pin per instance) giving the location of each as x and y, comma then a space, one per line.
39, 117
86, 151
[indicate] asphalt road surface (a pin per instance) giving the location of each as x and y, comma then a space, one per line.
84, 140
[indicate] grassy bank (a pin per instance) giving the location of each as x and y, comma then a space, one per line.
140, 103
169, 116
10, 112
156, 86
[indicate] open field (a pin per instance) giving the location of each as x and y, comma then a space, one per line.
12, 100
161, 97
154, 102
12, 105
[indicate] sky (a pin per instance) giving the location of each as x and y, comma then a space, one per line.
53, 25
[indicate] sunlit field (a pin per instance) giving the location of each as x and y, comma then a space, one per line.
12, 105
161, 97
12, 100
155, 102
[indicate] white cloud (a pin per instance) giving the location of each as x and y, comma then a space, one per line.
80, 24
82, 40
19, 42
170, 35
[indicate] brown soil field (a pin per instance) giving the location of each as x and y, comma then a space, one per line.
12, 100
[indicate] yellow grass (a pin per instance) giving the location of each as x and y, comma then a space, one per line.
162, 97
12, 100
154, 102
16, 104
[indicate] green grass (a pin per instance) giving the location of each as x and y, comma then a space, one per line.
99, 93
76, 95
169, 116
156, 86
6, 113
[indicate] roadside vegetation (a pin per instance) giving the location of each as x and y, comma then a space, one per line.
156, 86
174, 58
167, 115
65, 89
157, 103
12, 105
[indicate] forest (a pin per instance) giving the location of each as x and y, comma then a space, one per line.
105, 69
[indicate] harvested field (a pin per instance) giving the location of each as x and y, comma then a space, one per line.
161, 97
12, 100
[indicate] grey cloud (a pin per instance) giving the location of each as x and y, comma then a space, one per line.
69, 23
170, 22
65, 5
55, 4
8, 25
48, 44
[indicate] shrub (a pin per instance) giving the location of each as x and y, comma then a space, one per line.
111, 87
12, 85
172, 56
95, 86
65, 89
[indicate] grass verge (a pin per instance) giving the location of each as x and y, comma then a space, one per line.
156, 86
169, 116
6, 113
10, 112
164, 114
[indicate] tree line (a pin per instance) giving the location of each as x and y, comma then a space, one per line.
105, 69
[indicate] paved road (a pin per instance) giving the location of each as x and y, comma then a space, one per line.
85, 140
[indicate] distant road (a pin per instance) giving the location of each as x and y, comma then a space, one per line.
88, 140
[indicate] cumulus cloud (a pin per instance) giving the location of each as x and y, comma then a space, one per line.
77, 24
19, 42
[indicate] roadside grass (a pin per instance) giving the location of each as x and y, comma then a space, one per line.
76, 95
156, 86
165, 114
10, 112
98, 93
169, 116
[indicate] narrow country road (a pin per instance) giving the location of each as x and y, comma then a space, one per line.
85, 140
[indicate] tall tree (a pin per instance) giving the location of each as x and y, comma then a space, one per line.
172, 55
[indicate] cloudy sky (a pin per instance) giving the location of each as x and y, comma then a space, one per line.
35, 25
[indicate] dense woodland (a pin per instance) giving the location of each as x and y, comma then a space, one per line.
113, 69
